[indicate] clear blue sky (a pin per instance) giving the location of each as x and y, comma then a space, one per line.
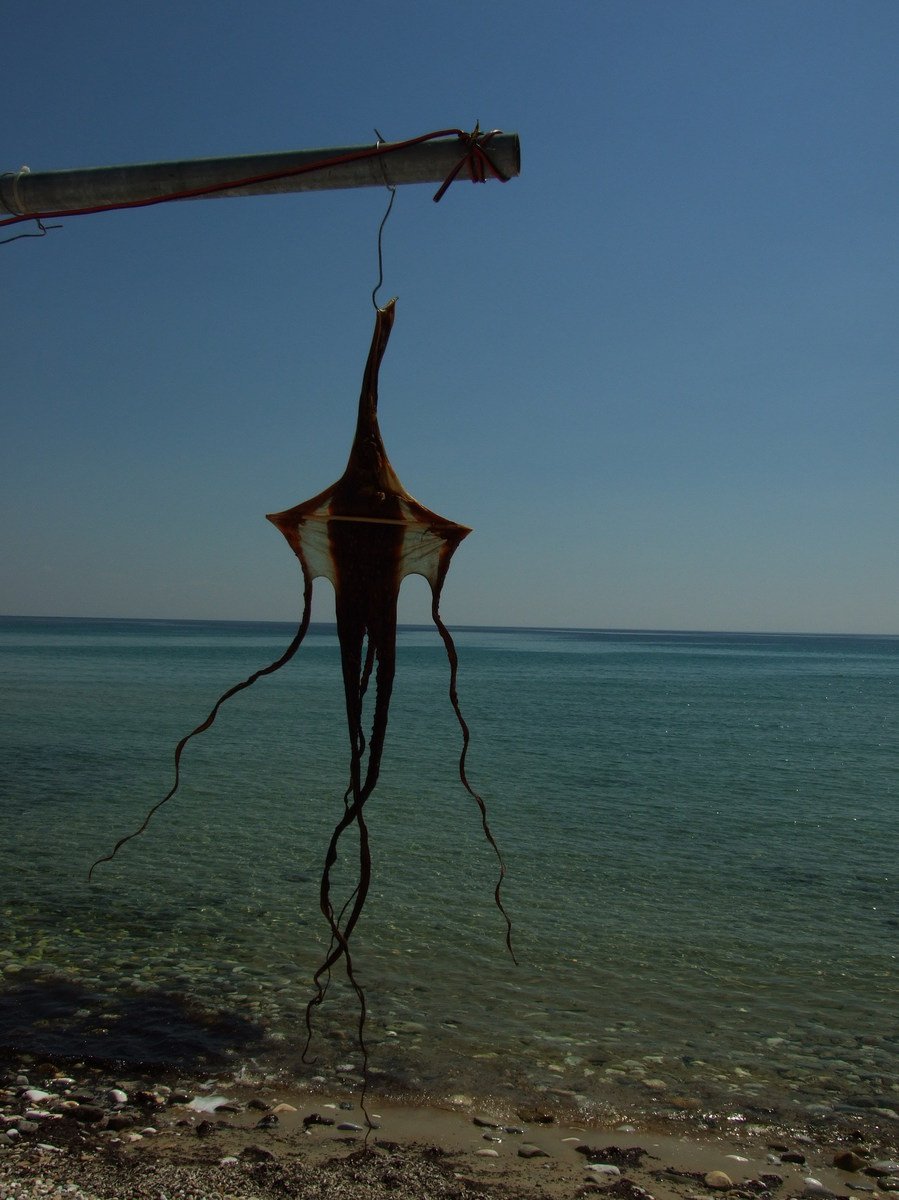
658, 372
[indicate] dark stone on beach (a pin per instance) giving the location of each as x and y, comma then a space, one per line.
89, 1114
268, 1121
531, 1152
258, 1104
345, 1105
752, 1188
119, 1121
485, 1123
513, 1129
27, 1126
257, 1154
350, 1127
848, 1160
537, 1116
771, 1179
626, 1189
793, 1156
205, 1128
227, 1107
149, 1100
619, 1156
315, 1119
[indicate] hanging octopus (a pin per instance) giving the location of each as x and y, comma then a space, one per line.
365, 534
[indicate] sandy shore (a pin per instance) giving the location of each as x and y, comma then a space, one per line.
88, 1132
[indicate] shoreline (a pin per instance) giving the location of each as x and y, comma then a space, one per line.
102, 1132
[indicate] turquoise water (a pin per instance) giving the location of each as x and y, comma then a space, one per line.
700, 832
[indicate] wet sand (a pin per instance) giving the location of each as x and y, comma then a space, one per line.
87, 1132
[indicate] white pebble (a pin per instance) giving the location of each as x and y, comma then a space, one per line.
207, 1103
814, 1187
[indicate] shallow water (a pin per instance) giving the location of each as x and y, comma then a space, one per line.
700, 832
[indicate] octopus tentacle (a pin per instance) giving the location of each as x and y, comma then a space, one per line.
204, 725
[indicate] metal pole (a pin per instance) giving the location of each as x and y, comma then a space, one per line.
55, 192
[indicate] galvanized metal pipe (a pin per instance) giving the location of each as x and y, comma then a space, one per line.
54, 192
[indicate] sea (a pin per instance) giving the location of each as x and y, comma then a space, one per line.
699, 831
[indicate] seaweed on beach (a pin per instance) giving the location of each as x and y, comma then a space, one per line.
365, 534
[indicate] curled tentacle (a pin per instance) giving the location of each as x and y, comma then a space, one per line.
204, 725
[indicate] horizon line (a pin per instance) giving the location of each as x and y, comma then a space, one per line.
612, 629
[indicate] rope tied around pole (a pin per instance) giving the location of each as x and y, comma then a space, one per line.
475, 158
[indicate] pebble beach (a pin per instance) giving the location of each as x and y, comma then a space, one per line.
87, 1132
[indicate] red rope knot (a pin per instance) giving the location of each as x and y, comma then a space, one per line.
476, 158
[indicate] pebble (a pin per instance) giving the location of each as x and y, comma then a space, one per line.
207, 1104
531, 1152
350, 1127
117, 1096
848, 1160
884, 1166
814, 1187
889, 1183
487, 1153
719, 1180
605, 1170
258, 1154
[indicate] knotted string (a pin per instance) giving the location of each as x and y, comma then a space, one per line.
476, 159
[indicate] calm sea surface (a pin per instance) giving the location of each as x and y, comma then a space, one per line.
700, 831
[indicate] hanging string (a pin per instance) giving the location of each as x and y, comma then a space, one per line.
377, 287
43, 230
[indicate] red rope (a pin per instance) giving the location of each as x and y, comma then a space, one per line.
475, 157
